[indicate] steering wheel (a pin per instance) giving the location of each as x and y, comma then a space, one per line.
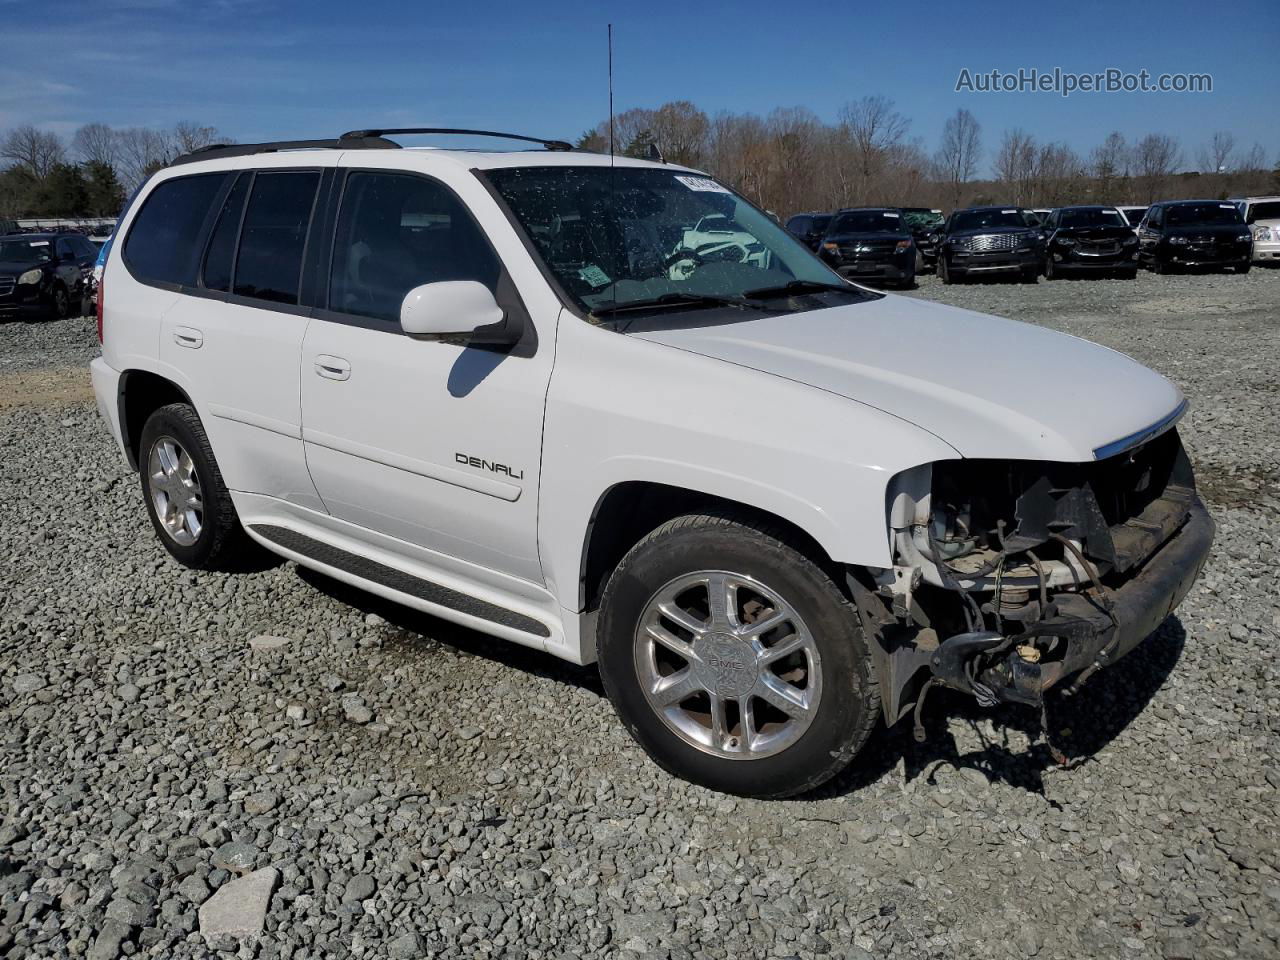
684, 253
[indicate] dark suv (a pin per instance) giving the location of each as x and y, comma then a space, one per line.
871, 243
982, 240
45, 274
1194, 233
1089, 239
808, 228
926, 225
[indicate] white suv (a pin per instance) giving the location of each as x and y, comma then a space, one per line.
772, 504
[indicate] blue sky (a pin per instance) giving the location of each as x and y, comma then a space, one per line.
261, 69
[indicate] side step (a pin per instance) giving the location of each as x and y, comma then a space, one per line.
398, 580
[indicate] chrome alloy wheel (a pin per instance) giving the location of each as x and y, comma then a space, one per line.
175, 491
728, 665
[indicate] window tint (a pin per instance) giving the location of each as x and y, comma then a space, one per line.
269, 265
798, 225
398, 232
64, 249
163, 243
222, 244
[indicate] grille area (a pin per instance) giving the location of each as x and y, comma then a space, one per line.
6, 286
995, 241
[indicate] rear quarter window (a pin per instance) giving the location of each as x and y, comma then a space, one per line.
164, 241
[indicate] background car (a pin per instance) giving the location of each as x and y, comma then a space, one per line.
1132, 215
1262, 217
871, 243
1089, 239
926, 225
809, 228
44, 273
991, 240
1194, 233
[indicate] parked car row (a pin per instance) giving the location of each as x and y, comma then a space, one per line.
45, 274
893, 244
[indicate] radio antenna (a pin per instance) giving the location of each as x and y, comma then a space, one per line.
611, 150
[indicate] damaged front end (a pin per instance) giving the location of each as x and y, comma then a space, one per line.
1011, 577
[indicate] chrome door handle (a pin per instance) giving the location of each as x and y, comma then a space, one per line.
332, 368
188, 337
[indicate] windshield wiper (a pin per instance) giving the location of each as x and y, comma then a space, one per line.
672, 300
799, 286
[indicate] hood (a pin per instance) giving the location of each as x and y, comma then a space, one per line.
987, 386
1101, 232
985, 231
867, 235
15, 267
1214, 230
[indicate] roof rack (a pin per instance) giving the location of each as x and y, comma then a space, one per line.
346, 142
549, 144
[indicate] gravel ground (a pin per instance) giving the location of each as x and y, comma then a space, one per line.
406, 788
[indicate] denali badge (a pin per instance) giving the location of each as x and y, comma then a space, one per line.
489, 465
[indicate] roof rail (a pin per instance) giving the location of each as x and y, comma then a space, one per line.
219, 151
549, 144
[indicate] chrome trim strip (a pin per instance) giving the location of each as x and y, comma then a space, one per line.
1142, 436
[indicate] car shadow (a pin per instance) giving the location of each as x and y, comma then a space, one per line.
1079, 726
416, 628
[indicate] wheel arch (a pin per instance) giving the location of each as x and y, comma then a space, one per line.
140, 394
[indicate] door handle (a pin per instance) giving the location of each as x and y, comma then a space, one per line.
332, 368
188, 337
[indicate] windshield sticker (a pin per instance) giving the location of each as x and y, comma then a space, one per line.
1008, 211
38, 243
1227, 206
1108, 211
894, 215
705, 184
594, 276
935, 211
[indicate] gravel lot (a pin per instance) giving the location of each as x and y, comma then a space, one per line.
421, 790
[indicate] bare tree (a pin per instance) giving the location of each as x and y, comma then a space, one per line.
873, 129
1059, 176
140, 151
1254, 160
1109, 165
1215, 156
1015, 164
957, 157
95, 143
189, 136
680, 130
1155, 158
34, 150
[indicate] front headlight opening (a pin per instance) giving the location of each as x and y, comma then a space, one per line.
31, 276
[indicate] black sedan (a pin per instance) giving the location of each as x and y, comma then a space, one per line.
871, 243
1194, 233
991, 240
1087, 239
44, 274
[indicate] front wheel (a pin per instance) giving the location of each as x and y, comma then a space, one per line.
1050, 272
734, 660
61, 306
944, 270
185, 495
1244, 268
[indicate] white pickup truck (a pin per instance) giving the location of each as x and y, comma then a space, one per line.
773, 505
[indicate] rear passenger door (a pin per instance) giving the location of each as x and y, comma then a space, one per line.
434, 443
237, 335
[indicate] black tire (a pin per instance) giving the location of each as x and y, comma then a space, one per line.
907, 283
944, 271
1158, 266
1031, 274
1129, 274
1050, 272
60, 308
222, 543
1244, 268
848, 706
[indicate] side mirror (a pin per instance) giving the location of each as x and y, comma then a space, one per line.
448, 308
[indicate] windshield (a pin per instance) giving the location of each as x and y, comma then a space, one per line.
25, 251
978, 219
1186, 214
1092, 217
867, 221
1134, 215
1264, 211
923, 218
630, 235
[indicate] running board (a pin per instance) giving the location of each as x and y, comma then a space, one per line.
398, 580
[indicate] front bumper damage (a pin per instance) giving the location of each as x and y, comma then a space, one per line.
1089, 561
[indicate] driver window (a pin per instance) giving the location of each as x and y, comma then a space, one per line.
396, 232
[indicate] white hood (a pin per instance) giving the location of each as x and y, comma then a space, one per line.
987, 386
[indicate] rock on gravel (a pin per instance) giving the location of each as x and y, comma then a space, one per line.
239, 908
159, 763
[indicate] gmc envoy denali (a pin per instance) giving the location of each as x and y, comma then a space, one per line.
773, 505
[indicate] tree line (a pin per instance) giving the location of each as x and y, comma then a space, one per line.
91, 175
785, 161
790, 160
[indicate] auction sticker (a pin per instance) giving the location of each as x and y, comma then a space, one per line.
705, 184
594, 275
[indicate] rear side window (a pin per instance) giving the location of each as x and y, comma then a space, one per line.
163, 245
397, 232
274, 235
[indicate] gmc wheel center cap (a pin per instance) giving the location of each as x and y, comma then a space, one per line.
726, 664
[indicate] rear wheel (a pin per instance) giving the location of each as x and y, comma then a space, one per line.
186, 497
734, 659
